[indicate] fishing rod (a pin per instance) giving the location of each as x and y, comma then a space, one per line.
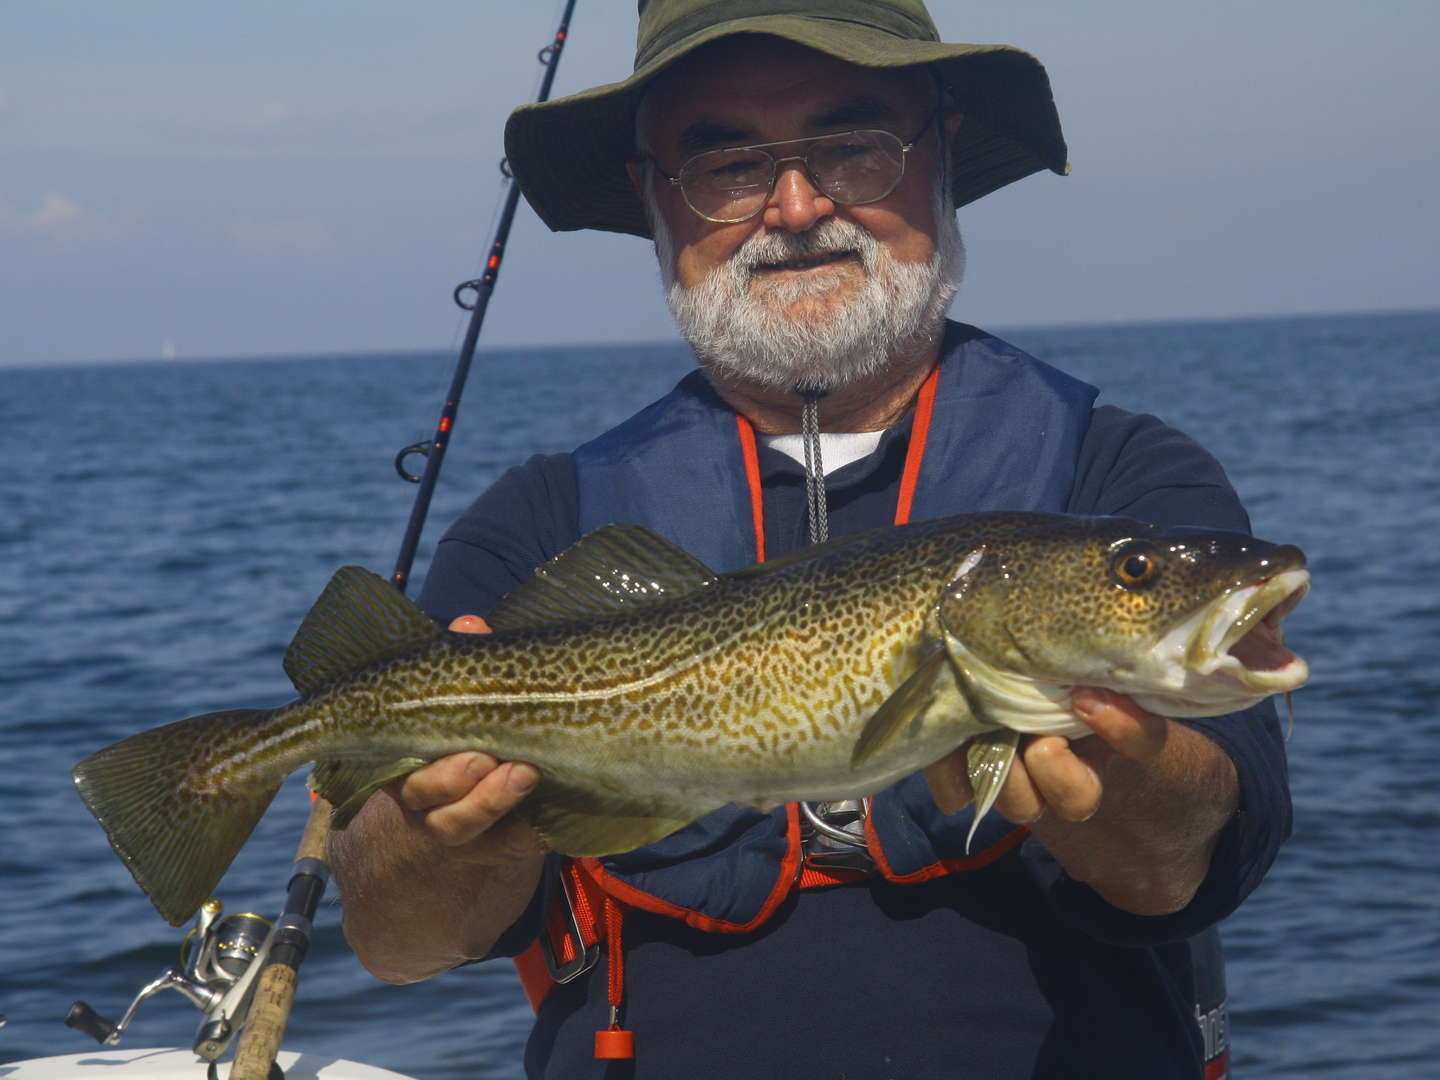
261, 1038
482, 287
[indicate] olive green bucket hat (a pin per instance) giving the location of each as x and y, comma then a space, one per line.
569, 155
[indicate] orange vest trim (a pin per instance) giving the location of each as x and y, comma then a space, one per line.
636, 898
915, 452
750, 453
941, 867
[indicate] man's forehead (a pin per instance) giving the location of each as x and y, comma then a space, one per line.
859, 111
723, 92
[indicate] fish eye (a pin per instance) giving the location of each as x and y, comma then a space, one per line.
1134, 564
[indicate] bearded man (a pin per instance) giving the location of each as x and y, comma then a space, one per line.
798, 166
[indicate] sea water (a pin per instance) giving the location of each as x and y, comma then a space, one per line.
165, 526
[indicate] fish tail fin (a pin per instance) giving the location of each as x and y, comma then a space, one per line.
174, 809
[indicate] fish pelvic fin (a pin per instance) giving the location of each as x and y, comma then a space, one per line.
347, 785
177, 825
359, 619
988, 759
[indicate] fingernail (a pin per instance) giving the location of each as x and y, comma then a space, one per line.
522, 778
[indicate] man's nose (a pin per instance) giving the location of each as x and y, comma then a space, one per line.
795, 204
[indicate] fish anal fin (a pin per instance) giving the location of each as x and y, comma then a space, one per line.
347, 785
988, 759
901, 709
359, 619
577, 822
615, 569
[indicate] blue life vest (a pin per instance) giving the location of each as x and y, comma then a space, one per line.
1005, 435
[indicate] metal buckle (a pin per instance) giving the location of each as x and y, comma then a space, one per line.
833, 835
586, 956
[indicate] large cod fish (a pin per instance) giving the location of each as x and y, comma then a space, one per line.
649, 691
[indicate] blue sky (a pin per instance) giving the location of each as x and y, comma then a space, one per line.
280, 178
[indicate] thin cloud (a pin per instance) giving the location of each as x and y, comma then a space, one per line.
56, 215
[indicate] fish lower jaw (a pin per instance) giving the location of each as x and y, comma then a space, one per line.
1227, 688
1226, 678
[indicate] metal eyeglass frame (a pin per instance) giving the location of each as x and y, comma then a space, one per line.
804, 159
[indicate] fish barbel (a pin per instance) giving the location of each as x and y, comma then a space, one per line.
649, 691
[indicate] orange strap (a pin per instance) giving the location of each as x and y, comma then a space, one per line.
915, 452
752, 480
614, 1042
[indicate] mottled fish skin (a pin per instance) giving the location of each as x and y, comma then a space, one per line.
645, 707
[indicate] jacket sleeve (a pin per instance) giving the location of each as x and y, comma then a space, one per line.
523, 520
1136, 466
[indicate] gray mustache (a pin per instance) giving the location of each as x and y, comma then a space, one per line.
828, 236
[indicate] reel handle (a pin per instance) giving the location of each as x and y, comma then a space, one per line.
86, 1020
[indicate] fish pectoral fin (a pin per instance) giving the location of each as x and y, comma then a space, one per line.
988, 759
347, 785
900, 709
578, 822
615, 569
358, 620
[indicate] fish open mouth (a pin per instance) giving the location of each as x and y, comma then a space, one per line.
1241, 636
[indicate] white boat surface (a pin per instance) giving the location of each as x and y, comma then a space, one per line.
169, 1063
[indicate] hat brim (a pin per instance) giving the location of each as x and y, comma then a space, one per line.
569, 155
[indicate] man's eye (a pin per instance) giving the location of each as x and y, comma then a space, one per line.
734, 173
847, 153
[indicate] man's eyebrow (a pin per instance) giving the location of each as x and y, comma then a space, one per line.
707, 135
858, 112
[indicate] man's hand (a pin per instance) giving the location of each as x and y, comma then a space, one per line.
433, 870
1133, 811
462, 800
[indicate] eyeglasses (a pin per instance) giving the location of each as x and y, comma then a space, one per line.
850, 167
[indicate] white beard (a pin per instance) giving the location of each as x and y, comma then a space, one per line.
750, 335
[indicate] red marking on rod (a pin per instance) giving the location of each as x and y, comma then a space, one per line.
444, 424
493, 262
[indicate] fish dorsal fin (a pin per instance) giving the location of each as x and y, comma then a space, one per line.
615, 569
359, 619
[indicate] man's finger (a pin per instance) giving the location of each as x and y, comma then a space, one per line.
1128, 729
442, 781
469, 624
949, 784
1061, 782
483, 806
1020, 800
